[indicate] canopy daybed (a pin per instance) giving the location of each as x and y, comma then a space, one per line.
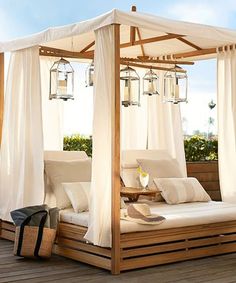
141, 40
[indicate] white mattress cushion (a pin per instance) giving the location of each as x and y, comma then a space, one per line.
59, 172
180, 190
78, 193
179, 215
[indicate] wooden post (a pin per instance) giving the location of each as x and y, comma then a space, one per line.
132, 29
115, 252
1, 92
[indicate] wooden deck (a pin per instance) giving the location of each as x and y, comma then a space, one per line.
219, 269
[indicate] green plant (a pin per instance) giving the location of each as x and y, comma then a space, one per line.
198, 148
78, 142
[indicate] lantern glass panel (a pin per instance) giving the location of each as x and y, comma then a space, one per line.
150, 83
61, 80
129, 87
175, 86
89, 75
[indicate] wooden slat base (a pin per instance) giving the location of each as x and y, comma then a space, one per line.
143, 249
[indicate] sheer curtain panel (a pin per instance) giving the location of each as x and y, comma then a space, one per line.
21, 156
99, 230
226, 92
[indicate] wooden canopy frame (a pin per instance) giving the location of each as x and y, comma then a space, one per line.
139, 249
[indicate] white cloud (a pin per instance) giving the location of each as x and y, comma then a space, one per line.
205, 12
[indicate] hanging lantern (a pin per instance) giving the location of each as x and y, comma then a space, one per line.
61, 80
150, 83
130, 87
89, 74
175, 86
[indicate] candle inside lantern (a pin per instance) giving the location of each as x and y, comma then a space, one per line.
127, 90
150, 87
177, 89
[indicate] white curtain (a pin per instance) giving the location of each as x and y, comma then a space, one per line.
21, 157
134, 122
52, 110
226, 91
99, 230
165, 127
154, 125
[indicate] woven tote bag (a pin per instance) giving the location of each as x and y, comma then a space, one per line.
34, 241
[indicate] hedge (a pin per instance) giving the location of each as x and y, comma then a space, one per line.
78, 142
197, 148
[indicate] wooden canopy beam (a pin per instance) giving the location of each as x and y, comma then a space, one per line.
151, 40
190, 54
157, 61
87, 47
184, 40
54, 52
149, 66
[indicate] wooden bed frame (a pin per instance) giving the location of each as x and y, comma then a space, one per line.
143, 249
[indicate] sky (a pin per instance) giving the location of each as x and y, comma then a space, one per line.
23, 17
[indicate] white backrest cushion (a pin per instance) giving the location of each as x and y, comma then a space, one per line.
59, 172
50, 198
64, 155
180, 190
129, 164
129, 157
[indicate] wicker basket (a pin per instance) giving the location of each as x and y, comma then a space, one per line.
29, 242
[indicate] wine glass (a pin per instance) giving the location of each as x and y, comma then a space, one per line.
144, 179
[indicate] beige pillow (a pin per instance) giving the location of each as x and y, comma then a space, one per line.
160, 169
78, 193
59, 172
180, 190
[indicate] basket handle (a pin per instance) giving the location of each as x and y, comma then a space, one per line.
40, 231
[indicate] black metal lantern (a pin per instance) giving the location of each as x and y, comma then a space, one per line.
129, 87
89, 75
150, 83
175, 86
61, 80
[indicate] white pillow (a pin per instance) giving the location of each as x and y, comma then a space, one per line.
160, 169
180, 190
78, 193
59, 172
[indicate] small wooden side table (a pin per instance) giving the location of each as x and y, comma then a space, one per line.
133, 194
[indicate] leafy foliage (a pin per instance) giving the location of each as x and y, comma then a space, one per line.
78, 142
198, 148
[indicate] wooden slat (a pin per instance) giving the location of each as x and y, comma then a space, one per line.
8, 235
178, 245
176, 256
156, 61
115, 262
150, 67
206, 177
84, 247
8, 226
83, 257
87, 47
193, 167
1, 92
170, 235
